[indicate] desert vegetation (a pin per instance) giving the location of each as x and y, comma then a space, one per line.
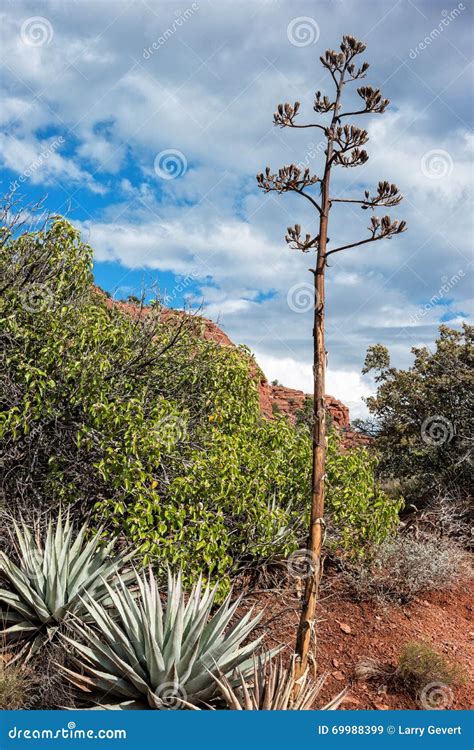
146, 499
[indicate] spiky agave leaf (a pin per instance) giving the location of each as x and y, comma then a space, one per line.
162, 656
270, 687
51, 576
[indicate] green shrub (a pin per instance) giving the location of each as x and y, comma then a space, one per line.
423, 416
361, 515
420, 665
132, 414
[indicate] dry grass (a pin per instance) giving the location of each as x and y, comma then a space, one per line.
420, 665
404, 567
16, 686
421, 671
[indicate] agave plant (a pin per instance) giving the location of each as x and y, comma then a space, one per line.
51, 577
150, 656
272, 688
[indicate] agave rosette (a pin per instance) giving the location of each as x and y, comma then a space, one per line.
52, 577
272, 687
159, 656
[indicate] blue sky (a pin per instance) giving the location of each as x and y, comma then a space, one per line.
147, 121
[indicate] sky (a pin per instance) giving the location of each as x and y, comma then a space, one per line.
145, 122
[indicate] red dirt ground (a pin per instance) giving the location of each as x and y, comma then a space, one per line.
442, 620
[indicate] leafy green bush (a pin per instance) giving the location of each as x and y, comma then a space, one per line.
132, 414
361, 515
423, 415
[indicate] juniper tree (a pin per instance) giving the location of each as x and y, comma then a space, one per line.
344, 148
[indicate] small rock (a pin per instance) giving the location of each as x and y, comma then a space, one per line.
335, 663
338, 676
345, 628
351, 699
381, 707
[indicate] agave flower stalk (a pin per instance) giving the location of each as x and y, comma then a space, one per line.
51, 577
159, 657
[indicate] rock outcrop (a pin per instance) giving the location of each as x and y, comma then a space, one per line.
275, 399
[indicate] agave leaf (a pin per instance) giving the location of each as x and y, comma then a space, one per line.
102, 680
24, 588
21, 627
124, 706
14, 602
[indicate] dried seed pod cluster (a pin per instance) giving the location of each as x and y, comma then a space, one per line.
385, 227
288, 178
373, 99
295, 241
285, 114
387, 195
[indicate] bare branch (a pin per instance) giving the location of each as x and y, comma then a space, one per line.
285, 115
373, 102
388, 195
380, 229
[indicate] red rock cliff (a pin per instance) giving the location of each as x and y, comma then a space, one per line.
277, 398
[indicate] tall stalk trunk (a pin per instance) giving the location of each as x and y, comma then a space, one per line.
316, 530
308, 609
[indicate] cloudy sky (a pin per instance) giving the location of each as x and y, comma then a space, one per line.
146, 121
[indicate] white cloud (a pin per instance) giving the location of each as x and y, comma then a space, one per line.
210, 91
41, 163
346, 385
